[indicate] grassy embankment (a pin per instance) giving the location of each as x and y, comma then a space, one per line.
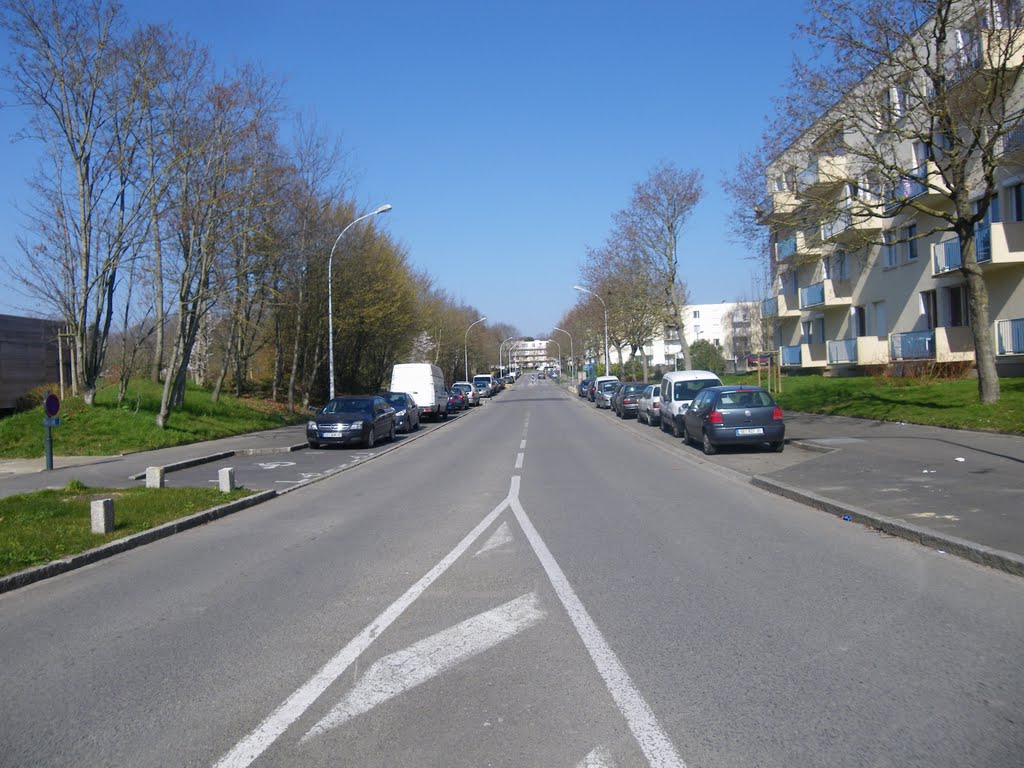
108, 428
936, 402
36, 528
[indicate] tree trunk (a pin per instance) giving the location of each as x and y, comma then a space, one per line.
981, 326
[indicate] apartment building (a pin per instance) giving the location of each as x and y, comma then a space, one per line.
530, 354
860, 209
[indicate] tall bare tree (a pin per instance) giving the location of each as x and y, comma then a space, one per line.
651, 228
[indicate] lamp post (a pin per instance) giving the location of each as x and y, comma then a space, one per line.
559, 354
585, 290
465, 347
330, 304
499, 352
572, 354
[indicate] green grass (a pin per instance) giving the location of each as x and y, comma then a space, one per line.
36, 528
936, 402
109, 429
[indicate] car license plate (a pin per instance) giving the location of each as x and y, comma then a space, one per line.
749, 431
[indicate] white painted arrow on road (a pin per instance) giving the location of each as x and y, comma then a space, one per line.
415, 665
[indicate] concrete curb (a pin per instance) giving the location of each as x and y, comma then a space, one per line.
57, 567
968, 550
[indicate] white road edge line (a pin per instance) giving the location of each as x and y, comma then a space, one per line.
654, 742
519, 460
266, 733
403, 670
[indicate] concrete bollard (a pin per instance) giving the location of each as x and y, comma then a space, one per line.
102, 513
226, 479
154, 477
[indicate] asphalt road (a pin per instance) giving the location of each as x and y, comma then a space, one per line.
534, 584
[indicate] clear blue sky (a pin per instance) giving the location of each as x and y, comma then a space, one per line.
505, 135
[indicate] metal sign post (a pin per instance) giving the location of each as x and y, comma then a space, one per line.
52, 407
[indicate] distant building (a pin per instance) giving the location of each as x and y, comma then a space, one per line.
530, 354
28, 357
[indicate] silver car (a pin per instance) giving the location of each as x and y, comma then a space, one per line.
472, 394
648, 410
603, 393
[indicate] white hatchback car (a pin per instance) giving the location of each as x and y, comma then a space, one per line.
648, 409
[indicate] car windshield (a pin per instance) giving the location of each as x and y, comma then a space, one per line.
349, 405
398, 401
609, 386
687, 390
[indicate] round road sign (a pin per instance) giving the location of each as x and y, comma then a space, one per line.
52, 405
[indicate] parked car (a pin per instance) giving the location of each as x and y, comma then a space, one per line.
472, 395
648, 406
604, 391
734, 415
678, 388
597, 385
583, 388
352, 419
407, 413
456, 400
425, 383
488, 381
482, 390
626, 397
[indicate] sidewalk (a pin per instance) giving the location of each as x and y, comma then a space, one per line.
955, 490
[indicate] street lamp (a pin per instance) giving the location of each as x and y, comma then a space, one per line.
585, 290
559, 354
572, 355
465, 347
499, 353
330, 314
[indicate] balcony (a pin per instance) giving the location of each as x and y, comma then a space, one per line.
776, 208
1010, 336
851, 226
1011, 143
943, 345
788, 305
996, 245
769, 307
785, 248
994, 50
924, 183
813, 355
791, 356
827, 293
823, 177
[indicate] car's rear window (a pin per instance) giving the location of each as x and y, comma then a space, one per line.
632, 389
687, 390
745, 399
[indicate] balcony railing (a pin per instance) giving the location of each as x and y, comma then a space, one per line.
812, 295
842, 351
1013, 138
904, 190
946, 255
785, 247
1010, 334
915, 345
791, 355
840, 223
770, 307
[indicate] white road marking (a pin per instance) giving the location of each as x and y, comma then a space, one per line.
275, 464
654, 742
266, 733
600, 757
393, 675
519, 460
499, 538
522, 445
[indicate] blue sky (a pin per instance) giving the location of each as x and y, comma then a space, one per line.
505, 135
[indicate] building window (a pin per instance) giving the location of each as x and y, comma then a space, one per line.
860, 322
889, 256
1017, 199
910, 235
696, 314
929, 309
840, 270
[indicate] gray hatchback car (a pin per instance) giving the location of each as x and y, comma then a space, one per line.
734, 415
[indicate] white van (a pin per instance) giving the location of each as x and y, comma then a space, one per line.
598, 383
425, 382
678, 388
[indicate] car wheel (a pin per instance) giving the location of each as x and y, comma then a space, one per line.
686, 435
708, 446
314, 444
675, 429
368, 441
638, 415
391, 435
444, 416
779, 446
